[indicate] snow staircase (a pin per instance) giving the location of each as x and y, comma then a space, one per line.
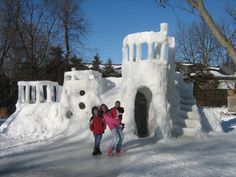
189, 115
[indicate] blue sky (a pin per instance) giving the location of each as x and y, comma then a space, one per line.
111, 20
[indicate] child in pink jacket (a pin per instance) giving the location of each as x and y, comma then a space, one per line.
114, 125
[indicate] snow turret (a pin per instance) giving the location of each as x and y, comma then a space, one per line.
147, 59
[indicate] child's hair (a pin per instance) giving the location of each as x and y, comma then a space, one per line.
117, 101
94, 108
102, 106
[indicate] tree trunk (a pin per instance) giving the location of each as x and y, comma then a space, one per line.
221, 38
67, 45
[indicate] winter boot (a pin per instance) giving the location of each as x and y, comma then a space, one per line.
99, 151
120, 152
109, 152
95, 151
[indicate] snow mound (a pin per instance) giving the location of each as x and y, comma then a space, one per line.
35, 121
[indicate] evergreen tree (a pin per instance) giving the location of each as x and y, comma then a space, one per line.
56, 66
109, 69
78, 63
96, 63
56, 54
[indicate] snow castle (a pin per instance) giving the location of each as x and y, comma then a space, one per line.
157, 101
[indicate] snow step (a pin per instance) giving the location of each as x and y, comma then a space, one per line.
180, 123
183, 114
189, 115
186, 107
187, 101
191, 132
192, 123
187, 96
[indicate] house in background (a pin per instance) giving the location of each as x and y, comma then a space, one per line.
212, 85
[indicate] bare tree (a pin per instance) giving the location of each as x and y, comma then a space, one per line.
231, 11
5, 34
199, 7
34, 27
198, 45
28, 31
187, 49
71, 22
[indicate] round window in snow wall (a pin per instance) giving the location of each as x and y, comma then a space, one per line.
82, 105
82, 93
68, 114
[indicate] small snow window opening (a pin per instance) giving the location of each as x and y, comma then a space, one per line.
68, 77
82, 93
76, 77
165, 52
55, 93
144, 51
82, 105
134, 53
44, 93
30, 94
24, 94
68, 114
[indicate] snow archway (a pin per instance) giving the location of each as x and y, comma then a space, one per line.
142, 111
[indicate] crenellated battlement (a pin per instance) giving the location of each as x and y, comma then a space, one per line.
31, 92
149, 46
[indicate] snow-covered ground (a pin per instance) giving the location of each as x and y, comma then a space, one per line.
210, 155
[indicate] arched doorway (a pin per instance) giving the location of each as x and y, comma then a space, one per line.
141, 111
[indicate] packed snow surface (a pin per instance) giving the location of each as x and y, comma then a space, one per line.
70, 155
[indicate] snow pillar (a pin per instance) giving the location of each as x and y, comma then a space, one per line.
123, 53
38, 93
164, 27
131, 53
163, 51
150, 51
27, 94
139, 52
172, 52
49, 93
126, 53
20, 90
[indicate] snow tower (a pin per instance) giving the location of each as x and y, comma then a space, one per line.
151, 87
